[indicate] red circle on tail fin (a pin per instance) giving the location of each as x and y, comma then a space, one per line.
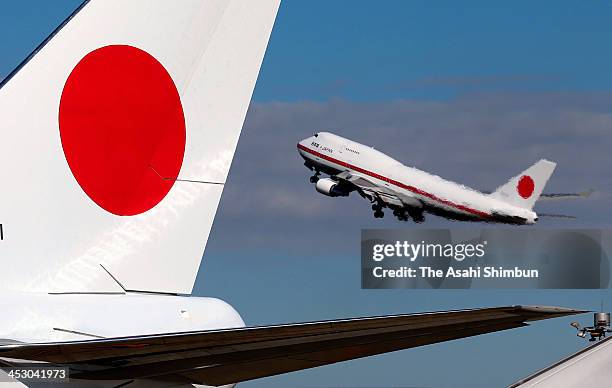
122, 129
525, 186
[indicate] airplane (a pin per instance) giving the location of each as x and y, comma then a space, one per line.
118, 132
410, 192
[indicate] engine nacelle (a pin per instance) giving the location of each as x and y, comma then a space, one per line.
330, 187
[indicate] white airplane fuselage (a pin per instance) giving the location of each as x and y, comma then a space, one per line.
35, 317
334, 154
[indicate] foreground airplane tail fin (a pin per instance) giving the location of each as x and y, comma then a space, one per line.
524, 189
117, 137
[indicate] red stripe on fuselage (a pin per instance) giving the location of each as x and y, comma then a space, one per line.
395, 183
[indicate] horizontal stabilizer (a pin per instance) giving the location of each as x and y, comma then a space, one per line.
549, 215
552, 196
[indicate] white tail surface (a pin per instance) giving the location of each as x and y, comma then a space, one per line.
524, 189
98, 125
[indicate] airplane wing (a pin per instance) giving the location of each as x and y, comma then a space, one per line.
372, 190
230, 356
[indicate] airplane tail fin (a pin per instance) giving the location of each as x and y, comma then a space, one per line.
524, 189
117, 135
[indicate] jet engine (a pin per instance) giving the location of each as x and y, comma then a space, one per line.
331, 188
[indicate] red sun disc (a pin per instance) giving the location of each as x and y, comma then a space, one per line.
525, 186
121, 124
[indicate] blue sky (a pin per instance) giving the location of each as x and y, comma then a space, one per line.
396, 49
491, 87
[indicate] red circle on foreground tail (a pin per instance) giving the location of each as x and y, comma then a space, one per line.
525, 186
121, 123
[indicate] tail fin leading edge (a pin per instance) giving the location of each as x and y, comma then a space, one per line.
524, 189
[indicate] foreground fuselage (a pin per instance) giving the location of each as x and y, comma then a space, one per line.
333, 154
44, 318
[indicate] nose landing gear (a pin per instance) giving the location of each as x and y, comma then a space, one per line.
309, 165
315, 177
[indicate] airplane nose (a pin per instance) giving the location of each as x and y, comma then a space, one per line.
301, 145
304, 142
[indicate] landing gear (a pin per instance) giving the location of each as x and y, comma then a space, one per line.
378, 213
311, 167
400, 214
404, 214
419, 219
417, 215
